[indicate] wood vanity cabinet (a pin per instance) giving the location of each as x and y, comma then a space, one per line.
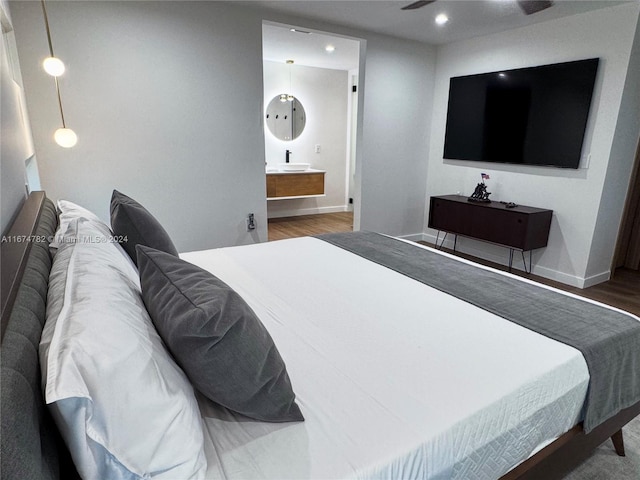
298, 184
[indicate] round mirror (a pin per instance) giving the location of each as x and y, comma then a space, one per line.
285, 117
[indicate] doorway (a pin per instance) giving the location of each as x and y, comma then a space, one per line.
320, 72
627, 254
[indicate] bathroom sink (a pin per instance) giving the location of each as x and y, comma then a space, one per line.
294, 167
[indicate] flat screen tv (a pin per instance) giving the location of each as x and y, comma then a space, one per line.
528, 116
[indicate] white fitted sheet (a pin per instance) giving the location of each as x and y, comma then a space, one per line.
395, 379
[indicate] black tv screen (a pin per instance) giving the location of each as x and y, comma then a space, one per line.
530, 116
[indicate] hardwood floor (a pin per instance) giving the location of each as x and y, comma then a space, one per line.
305, 225
622, 291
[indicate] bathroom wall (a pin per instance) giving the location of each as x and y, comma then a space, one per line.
324, 95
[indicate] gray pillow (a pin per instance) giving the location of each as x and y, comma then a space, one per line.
216, 338
132, 221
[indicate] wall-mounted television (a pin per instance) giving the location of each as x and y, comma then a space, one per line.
528, 116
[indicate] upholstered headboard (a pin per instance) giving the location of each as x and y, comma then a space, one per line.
31, 445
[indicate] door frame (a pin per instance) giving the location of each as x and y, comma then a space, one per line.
631, 211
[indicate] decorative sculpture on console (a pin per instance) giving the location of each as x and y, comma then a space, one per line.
480, 194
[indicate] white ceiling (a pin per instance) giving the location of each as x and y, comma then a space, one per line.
467, 19
280, 44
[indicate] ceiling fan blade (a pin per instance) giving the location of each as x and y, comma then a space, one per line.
419, 4
534, 6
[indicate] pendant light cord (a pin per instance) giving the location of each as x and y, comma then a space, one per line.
46, 24
64, 125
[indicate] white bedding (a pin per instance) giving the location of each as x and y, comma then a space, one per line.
396, 380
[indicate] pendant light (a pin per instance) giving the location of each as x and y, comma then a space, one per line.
65, 137
289, 96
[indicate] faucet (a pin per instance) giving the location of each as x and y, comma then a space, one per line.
286, 156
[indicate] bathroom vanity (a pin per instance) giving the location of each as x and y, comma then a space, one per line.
295, 184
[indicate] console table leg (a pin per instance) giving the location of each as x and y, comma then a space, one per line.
443, 239
510, 259
525, 263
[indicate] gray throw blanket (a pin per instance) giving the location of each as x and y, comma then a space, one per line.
609, 340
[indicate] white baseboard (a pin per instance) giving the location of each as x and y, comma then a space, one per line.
571, 280
556, 275
416, 237
596, 279
295, 212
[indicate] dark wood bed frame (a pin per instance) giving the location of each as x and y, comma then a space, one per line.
14, 254
553, 462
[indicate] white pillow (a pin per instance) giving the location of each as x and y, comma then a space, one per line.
122, 405
58, 276
70, 211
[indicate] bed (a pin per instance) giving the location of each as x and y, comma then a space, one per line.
388, 374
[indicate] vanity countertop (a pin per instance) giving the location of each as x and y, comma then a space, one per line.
275, 171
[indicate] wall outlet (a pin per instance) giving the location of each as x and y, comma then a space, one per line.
317, 149
251, 223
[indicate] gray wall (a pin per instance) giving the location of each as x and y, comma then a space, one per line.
579, 198
16, 145
397, 112
166, 98
617, 181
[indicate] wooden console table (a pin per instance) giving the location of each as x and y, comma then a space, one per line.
519, 228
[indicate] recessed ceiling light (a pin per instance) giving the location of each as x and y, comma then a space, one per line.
441, 19
330, 48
